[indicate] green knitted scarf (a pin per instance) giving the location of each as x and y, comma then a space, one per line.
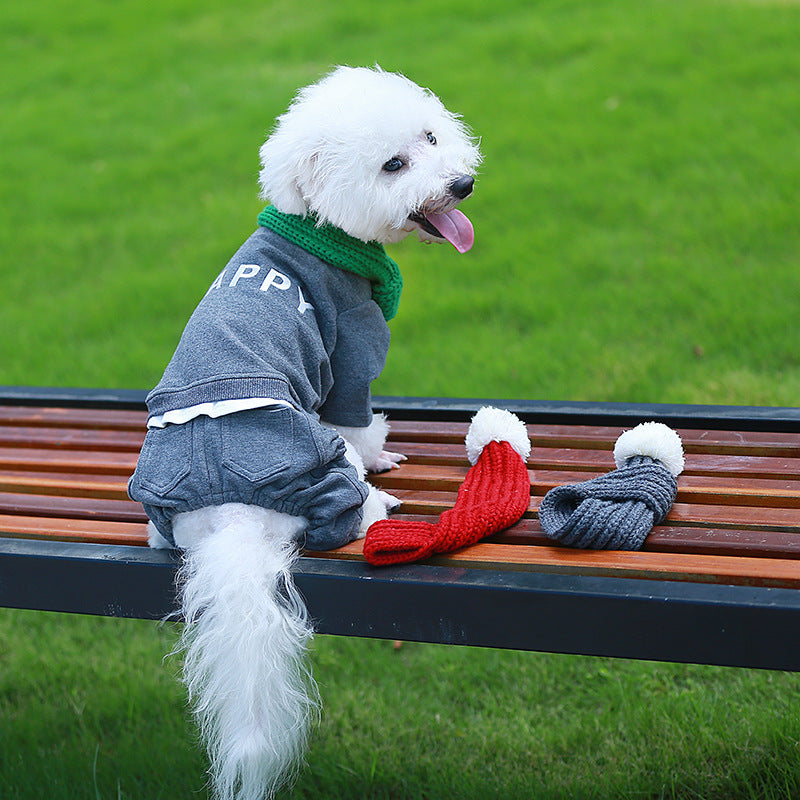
334, 246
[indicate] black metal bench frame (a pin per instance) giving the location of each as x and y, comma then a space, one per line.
659, 620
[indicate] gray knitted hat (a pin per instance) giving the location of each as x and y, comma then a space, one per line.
616, 511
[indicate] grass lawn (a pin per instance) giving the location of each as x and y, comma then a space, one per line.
637, 239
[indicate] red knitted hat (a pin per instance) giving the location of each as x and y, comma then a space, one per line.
495, 494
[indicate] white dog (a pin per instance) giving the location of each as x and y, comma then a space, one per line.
245, 459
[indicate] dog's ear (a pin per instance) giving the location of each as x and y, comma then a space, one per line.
283, 171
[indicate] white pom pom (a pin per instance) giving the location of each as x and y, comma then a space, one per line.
496, 425
652, 439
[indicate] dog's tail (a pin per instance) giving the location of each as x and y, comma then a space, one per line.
244, 646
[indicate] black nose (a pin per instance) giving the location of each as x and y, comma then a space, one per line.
462, 187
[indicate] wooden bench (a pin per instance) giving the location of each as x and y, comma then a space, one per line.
717, 583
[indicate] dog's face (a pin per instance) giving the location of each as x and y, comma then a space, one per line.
374, 154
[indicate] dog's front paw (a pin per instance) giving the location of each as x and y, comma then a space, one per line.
386, 461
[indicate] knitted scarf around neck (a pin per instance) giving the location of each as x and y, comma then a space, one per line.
335, 247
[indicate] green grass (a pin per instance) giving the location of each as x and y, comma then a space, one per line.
89, 710
636, 240
635, 216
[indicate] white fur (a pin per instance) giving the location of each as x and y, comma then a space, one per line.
652, 439
326, 153
369, 443
155, 539
496, 425
247, 630
244, 646
378, 503
245, 639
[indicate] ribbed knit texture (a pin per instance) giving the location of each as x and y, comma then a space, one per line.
612, 512
335, 247
494, 495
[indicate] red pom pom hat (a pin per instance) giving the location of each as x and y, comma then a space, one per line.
495, 494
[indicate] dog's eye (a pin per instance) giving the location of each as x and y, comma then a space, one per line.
393, 164
431, 137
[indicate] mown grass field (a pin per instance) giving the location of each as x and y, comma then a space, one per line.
637, 239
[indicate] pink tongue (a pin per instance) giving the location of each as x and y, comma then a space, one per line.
455, 227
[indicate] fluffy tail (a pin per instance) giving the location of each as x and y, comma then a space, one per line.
244, 645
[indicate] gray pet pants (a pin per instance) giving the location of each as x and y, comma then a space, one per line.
274, 457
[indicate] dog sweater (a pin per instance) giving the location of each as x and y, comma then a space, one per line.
280, 322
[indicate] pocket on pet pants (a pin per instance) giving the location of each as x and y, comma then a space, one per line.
165, 459
258, 445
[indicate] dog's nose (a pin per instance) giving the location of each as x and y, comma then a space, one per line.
462, 187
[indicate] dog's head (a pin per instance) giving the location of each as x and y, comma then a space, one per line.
373, 154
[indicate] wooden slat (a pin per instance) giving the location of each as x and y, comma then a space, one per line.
696, 464
603, 438
103, 462
110, 487
669, 538
419, 501
23, 436
755, 492
595, 462
704, 489
694, 441
723, 541
74, 530
639, 564
666, 538
93, 419
71, 507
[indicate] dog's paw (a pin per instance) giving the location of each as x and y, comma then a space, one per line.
390, 502
386, 461
155, 539
376, 507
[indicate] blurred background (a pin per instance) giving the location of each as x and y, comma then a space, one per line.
637, 239
636, 224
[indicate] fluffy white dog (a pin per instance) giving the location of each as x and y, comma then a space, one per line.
361, 158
